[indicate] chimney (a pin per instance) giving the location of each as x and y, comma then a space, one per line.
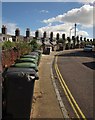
27, 32
68, 38
51, 36
37, 34
81, 38
4, 29
17, 32
44, 34
57, 36
63, 36
84, 39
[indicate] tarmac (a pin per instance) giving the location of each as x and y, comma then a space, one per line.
45, 99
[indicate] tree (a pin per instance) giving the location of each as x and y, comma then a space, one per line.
34, 45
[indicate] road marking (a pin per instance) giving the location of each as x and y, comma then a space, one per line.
68, 93
62, 106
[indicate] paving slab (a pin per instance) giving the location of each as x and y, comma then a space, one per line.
45, 103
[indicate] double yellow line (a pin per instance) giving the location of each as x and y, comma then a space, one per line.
73, 103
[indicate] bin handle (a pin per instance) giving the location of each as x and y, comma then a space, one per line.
30, 77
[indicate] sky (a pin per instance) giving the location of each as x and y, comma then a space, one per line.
0, 13
56, 17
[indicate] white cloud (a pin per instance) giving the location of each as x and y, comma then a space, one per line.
83, 16
62, 28
32, 33
57, 28
82, 33
85, 1
44, 11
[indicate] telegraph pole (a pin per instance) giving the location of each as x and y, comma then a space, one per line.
75, 37
75, 29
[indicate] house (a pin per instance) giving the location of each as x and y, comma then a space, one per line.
17, 37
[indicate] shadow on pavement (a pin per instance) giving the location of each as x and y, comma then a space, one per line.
78, 54
90, 65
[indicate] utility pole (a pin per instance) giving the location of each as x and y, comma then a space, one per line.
75, 29
75, 36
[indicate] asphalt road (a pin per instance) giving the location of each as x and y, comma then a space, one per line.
77, 68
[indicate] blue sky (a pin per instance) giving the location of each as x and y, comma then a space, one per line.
30, 15
49, 16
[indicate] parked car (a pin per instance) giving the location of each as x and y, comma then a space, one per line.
89, 48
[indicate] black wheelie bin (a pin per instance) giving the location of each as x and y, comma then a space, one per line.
18, 87
35, 53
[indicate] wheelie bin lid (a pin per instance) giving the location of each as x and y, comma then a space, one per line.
30, 56
21, 74
39, 51
26, 65
26, 60
16, 69
13, 72
34, 53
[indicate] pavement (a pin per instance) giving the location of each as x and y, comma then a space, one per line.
45, 100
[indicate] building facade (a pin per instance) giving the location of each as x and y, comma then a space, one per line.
15, 38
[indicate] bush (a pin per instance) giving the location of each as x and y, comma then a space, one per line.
13, 50
34, 45
60, 41
23, 47
8, 45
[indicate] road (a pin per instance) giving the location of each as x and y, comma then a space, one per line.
76, 68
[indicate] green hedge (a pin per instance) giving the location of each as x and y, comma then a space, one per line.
22, 46
34, 45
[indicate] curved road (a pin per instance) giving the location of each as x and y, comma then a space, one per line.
76, 68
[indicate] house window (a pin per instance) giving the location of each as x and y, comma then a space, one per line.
3, 38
